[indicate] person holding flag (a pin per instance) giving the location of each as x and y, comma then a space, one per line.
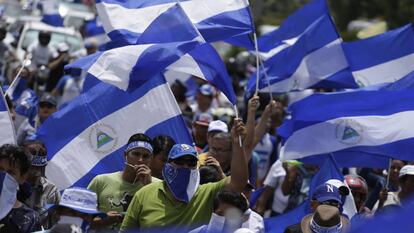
180, 201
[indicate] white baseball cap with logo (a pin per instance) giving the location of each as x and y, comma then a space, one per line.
218, 126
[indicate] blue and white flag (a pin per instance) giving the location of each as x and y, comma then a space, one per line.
51, 16
130, 66
289, 32
205, 63
315, 60
360, 128
8, 192
382, 59
126, 20
87, 137
7, 134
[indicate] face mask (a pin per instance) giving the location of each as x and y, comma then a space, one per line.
224, 224
182, 182
74, 221
8, 192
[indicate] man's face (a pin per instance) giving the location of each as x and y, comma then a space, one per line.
45, 110
204, 102
139, 156
220, 149
14, 171
396, 166
44, 40
157, 163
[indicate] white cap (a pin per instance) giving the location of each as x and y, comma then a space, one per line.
343, 189
219, 126
407, 170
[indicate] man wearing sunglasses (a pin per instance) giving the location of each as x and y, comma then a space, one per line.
179, 201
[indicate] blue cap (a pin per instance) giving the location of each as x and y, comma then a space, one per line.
207, 90
326, 192
179, 150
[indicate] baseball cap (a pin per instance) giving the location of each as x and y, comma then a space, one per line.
343, 190
179, 150
203, 119
407, 170
206, 90
218, 126
326, 192
79, 199
47, 98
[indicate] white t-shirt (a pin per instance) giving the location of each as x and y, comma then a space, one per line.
255, 223
274, 179
42, 55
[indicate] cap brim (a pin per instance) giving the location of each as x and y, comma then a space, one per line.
305, 223
183, 154
202, 123
329, 197
49, 207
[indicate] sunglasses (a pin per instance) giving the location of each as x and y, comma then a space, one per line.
46, 105
183, 162
331, 203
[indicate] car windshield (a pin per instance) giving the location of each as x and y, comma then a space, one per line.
74, 42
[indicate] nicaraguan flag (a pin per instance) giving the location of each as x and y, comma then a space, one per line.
87, 137
382, 59
51, 16
360, 128
126, 20
7, 134
289, 32
129, 66
205, 63
315, 60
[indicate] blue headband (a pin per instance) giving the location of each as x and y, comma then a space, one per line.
139, 144
39, 161
319, 229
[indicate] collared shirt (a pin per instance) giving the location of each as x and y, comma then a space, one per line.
155, 206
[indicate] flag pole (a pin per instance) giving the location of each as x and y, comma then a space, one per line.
256, 47
237, 116
17, 78
388, 173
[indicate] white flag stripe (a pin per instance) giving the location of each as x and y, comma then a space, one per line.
329, 136
143, 113
286, 43
311, 70
116, 17
114, 66
187, 65
387, 72
7, 130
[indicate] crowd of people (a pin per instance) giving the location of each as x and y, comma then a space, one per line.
228, 181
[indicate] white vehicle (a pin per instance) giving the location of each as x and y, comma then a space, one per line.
31, 31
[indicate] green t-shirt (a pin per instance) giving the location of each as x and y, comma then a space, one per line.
155, 206
114, 194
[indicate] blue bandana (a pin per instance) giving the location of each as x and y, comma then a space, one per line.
139, 144
319, 229
39, 161
182, 182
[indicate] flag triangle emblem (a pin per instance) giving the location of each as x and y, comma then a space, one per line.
102, 139
349, 133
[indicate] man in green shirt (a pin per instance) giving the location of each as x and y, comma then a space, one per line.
179, 201
115, 190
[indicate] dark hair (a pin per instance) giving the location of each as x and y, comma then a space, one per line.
43, 149
232, 198
16, 156
139, 137
208, 174
162, 143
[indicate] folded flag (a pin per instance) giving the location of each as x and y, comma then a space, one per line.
126, 20
130, 66
6, 123
51, 16
205, 63
315, 60
87, 137
382, 59
288, 33
360, 128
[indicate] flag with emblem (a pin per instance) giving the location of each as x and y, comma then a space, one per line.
87, 137
360, 128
